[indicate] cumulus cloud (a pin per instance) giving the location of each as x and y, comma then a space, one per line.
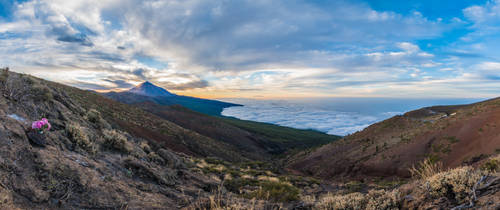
297, 47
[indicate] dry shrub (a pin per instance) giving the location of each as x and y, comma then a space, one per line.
351, 201
382, 199
171, 160
375, 199
95, 117
79, 137
145, 147
456, 183
117, 141
153, 157
426, 169
221, 200
268, 178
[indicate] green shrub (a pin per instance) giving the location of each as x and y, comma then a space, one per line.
41, 93
276, 191
4, 75
491, 165
77, 134
452, 139
354, 186
93, 116
236, 185
266, 189
117, 141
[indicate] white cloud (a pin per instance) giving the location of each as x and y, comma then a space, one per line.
255, 45
409, 47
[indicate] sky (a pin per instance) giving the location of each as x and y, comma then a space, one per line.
260, 48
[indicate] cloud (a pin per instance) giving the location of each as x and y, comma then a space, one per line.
185, 86
244, 35
290, 114
264, 47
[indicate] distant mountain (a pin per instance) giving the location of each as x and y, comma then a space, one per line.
148, 89
149, 92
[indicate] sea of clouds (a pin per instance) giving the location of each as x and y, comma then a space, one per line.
332, 116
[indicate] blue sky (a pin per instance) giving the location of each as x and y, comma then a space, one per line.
260, 49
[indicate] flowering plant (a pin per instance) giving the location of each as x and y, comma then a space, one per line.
41, 125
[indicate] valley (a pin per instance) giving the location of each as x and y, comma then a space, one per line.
136, 152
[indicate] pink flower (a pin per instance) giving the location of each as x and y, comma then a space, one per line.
41, 124
46, 122
34, 125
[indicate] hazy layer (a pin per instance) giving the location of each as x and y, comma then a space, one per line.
339, 116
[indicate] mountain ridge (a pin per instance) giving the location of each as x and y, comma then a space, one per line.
149, 89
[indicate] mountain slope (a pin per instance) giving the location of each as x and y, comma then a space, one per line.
148, 126
454, 135
258, 139
88, 159
149, 92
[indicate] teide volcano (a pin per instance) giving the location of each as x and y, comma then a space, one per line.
147, 91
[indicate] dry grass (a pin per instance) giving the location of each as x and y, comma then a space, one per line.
426, 169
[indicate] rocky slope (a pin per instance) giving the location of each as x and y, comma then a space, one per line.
453, 135
88, 160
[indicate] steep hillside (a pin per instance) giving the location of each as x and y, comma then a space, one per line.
86, 160
453, 135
